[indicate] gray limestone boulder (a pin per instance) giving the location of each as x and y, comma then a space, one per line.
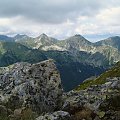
58, 115
35, 86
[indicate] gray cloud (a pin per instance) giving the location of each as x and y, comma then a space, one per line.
60, 18
52, 11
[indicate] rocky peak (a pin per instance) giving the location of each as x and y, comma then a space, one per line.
43, 40
33, 86
78, 40
114, 37
111, 41
19, 36
78, 35
43, 36
78, 43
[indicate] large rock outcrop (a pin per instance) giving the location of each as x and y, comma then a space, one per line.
98, 102
33, 86
58, 115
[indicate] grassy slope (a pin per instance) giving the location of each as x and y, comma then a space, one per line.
113, 72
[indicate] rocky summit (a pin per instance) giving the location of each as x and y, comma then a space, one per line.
34, 88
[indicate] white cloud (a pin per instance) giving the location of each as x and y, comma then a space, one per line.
60, 18
110, 16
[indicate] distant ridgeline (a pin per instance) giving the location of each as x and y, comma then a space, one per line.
76, 58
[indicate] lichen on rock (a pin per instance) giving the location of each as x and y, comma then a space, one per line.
34, 86
58, 115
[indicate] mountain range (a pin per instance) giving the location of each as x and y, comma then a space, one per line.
107, 51
76, 58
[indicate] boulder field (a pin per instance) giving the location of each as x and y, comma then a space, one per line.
34, 92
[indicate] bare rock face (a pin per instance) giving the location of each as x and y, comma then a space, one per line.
97, 102
35, 86
58, 115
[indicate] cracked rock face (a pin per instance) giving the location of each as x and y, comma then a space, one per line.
98, 102
37, 86
58, 115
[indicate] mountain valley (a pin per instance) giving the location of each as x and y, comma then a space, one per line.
76, 58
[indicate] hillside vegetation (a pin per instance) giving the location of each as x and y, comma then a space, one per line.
113, 72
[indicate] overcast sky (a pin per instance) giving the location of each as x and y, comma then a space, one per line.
94, 19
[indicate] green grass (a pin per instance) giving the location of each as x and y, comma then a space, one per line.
113, 72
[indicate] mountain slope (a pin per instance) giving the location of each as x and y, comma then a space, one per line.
25, 40
112, 41
11, 52
42, 42
113, 72
103, 53
72, 71
76, 57
76, 42
6, 38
